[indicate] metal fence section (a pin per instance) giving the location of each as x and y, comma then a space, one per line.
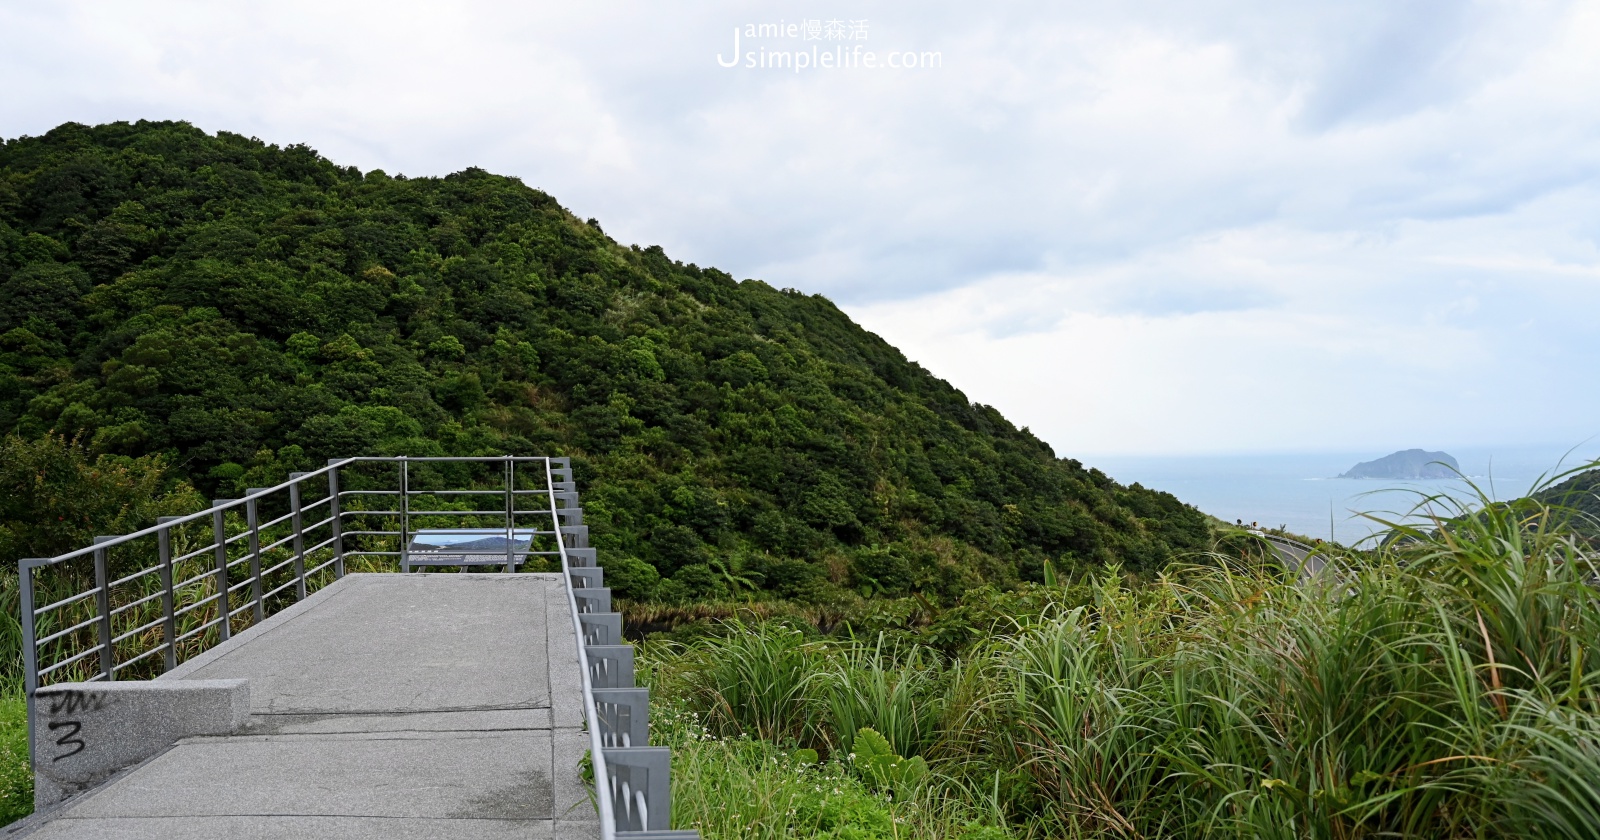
633, 779
137, 605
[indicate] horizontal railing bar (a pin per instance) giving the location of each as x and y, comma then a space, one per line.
66, 601
199, 552
151, 652
271, 569
141, 573
312, 526
203, 602
131, 604
310, 549
395, 459
457, 513
346, 514
137, 630
271, 522
500, 513
272, 592
325, 564
201, 629
68, 661
272, 545
208, 574
59, 633
398, 492
487, 530
467, 492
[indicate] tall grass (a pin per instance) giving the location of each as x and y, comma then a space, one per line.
16, 774
1443, 685
739, 788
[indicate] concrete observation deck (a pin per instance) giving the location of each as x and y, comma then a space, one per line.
384, 706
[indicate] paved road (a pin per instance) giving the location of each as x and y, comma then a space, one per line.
1297, 555
386, 706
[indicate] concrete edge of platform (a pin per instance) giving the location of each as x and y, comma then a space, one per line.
85, 732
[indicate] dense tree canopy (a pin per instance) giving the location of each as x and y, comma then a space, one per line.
241, 310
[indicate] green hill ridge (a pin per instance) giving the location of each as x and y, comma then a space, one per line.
242, 310
1579, 495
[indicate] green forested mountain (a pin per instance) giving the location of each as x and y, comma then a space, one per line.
1580, 496
241, 310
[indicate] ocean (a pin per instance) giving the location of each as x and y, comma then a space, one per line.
1299, 492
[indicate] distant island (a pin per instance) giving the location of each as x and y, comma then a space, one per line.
1408, 464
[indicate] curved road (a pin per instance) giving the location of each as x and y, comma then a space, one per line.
1296, 555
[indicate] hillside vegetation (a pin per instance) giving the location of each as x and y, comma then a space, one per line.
217, 311
1580, 494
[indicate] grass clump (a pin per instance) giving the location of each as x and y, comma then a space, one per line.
16, 776
740, 787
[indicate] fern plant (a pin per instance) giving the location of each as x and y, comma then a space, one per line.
880, 766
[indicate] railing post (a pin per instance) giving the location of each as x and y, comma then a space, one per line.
30, 648
334, 519
641, 787
253, 521
405, 514
297, 522
102, 600
511, 516
219, 534
624, 715
169, 619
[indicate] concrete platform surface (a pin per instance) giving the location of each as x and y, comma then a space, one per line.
397, 706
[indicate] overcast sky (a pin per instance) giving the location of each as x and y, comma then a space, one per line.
1137, 228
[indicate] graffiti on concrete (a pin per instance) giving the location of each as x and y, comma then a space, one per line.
71, 702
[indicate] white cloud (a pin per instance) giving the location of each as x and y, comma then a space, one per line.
1294, 340
1155, 207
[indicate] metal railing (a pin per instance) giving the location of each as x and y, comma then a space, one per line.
597, 753
633, 780
137, 605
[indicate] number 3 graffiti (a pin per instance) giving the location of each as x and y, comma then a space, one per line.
68, 738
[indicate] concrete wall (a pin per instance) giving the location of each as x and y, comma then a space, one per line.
85, 732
